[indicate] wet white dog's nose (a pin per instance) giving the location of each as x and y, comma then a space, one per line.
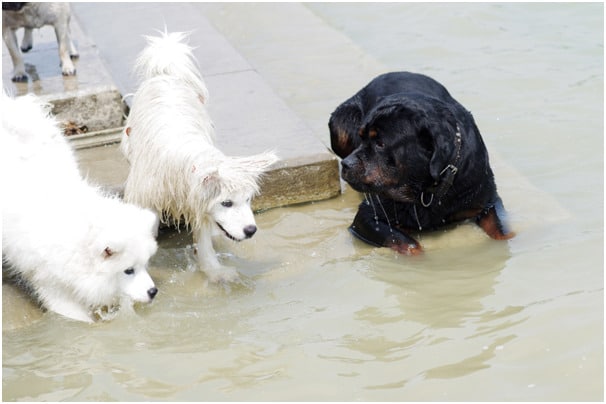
250, 230
151, 292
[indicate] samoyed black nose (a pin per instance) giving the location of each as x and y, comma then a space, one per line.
151, 292
250, 230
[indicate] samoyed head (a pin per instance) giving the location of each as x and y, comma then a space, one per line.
123, 248
234, 217
233, 185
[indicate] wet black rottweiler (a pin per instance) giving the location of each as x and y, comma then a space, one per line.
418, 157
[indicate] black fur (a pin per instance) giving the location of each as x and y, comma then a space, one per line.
418, 156
12, 6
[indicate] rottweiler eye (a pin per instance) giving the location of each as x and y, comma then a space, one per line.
227, 204
379, 144
129, 271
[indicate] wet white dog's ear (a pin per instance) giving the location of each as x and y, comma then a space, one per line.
107, 252
266, 159
108, 245
258, 163
110, 251
211, 183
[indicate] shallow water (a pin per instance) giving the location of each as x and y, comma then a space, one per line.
321, 316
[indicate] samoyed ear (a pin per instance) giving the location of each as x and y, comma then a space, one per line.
110, 251
108, 245
234, 175
258, 163
211, 184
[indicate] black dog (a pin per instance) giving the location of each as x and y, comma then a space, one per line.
418, 157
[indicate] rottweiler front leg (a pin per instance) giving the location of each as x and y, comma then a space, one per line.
493, 222
381, 234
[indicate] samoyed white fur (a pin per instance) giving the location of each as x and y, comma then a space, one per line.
175, 168
78, 251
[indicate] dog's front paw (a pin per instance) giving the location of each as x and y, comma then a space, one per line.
407, 249
223, 275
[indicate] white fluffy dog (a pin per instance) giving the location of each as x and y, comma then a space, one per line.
37, 15
175, 169
79, 252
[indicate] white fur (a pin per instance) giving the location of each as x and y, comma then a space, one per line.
176, 170
37, 15
68, 242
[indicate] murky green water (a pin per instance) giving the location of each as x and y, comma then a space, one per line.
321, 316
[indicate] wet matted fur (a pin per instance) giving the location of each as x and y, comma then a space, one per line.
175, 168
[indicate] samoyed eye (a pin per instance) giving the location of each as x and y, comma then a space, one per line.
129, 271
227, 204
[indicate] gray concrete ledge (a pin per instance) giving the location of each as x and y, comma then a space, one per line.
98, 108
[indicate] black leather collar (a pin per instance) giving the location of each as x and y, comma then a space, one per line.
447, 175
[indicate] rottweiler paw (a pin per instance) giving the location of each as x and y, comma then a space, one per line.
407, 249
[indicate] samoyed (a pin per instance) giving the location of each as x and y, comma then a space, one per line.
175, 168
81, 253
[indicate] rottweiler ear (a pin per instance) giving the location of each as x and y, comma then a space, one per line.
442, 128
344, 126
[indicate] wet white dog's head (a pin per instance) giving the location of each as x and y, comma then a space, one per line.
125, 246
234, 217
137, 285
234, 183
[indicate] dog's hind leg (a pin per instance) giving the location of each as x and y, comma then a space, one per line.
65, 46
27, 42
62, 304
10, 39
73, 52
492, 221
381, 234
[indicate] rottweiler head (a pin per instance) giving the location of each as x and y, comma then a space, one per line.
402, 146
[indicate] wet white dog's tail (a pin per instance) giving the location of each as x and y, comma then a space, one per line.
169, 55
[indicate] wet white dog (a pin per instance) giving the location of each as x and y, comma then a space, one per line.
36, 15
175, 169
80, 252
